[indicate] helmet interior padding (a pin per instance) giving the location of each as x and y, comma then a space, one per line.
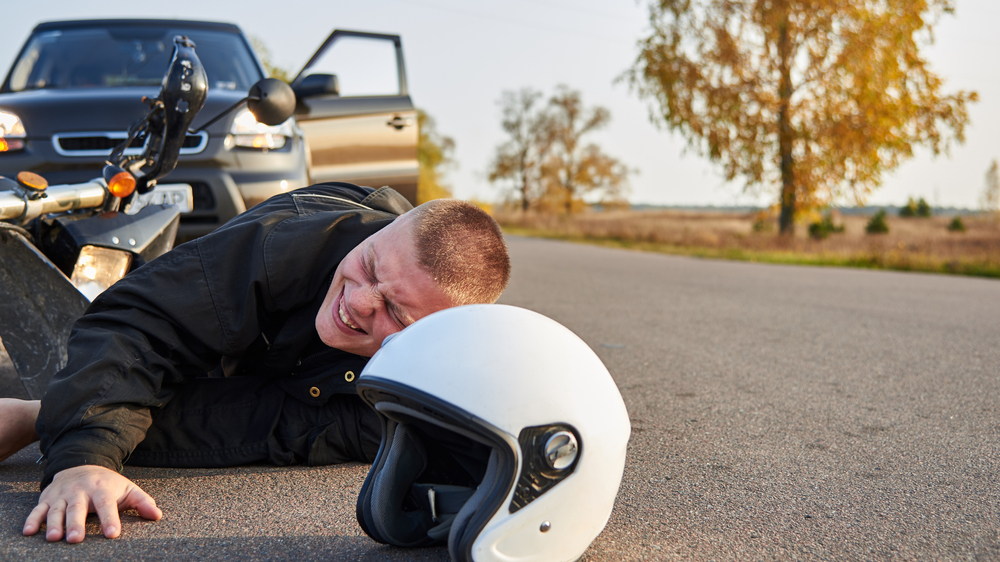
458, 536
429, 480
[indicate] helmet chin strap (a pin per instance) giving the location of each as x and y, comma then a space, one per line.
443, 501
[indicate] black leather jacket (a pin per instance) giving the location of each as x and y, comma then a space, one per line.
239, 301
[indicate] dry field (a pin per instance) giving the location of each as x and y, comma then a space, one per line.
911, 244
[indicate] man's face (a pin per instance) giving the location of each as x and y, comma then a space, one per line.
378, 289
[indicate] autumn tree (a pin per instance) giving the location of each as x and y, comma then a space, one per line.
266, 60
545, 155
518, 161
434, 152
817, 97
990, 200
574, 169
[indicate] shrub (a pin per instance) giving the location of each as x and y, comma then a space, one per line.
919, 208
956, 225
762, 222
824, 227
923, 209
877, 224
909, 210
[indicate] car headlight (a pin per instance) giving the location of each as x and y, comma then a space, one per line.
11, 132
247, 132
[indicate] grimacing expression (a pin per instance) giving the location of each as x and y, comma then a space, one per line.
378, 289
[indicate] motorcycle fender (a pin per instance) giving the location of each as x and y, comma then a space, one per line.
38, 305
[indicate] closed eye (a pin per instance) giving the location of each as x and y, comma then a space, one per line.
369, 269
394, 314
369, 265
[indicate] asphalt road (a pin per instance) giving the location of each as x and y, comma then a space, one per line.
778, 413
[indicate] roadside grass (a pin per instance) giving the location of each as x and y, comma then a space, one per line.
924, 245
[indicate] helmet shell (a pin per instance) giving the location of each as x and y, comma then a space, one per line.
514, 369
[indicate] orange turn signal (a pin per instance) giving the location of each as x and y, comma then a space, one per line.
32, 180
122, 184
6, 145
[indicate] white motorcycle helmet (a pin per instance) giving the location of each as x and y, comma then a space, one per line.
503, 437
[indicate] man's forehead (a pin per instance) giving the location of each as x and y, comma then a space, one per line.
400, 229
395, 241
406, 286
397, 270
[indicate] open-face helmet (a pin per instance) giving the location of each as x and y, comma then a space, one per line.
503, 437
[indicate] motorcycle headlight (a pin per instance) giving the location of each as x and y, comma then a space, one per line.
99, 268
247, 132
11, 132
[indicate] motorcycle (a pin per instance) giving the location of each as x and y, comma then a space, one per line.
62, 245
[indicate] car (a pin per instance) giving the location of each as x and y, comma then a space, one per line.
76, 86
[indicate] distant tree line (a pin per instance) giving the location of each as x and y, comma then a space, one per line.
546, 162
434, 155
267, 60
990, 200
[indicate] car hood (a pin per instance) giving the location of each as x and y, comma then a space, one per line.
44, 112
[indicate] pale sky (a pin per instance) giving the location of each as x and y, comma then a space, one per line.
461, 54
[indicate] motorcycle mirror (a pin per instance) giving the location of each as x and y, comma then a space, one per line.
271, 101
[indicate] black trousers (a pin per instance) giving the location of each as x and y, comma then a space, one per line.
219, 422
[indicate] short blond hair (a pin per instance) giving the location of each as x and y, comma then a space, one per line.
463, 249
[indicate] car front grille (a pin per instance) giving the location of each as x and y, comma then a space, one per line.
76, 144
101, 143
203, 198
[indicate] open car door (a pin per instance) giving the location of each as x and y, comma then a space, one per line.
355, 111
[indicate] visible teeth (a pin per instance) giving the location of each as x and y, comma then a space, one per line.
344, 319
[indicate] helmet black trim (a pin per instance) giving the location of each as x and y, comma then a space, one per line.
408, 416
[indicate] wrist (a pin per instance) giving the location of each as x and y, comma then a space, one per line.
29, 415
21, 415
67, 463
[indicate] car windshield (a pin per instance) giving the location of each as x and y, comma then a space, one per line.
128, 56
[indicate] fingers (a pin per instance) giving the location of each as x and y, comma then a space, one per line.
107, 511
76, 520
74, 515
74, 492
35, 518
142, 502
54, 521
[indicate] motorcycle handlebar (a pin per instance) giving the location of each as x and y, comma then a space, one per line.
182, 96
58, 198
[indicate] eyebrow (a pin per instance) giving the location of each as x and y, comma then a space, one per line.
399, 313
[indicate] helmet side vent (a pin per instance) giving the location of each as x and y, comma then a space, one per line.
550, 453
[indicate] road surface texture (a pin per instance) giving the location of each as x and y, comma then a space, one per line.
787, 413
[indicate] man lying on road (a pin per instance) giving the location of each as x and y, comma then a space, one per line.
243, 346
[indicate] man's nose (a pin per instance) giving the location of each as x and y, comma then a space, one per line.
363, 302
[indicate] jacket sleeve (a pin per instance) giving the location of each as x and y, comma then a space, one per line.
168, 320
175, 317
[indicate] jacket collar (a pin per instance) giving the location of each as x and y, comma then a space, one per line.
388, 200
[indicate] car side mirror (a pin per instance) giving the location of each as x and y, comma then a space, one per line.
318, 85
271, 101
